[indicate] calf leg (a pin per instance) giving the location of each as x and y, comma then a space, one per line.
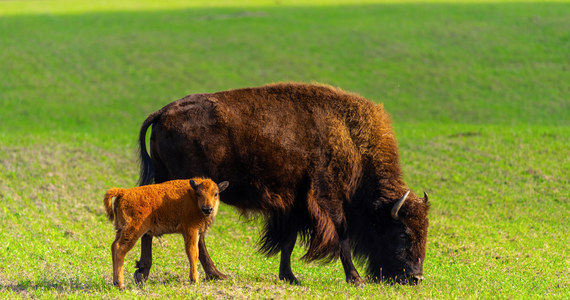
125, 241
206, 261
145, 262
285, 272
114, 246
191, 245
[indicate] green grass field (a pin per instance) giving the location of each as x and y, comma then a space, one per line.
479, 92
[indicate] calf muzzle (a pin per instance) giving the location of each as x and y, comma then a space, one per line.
207, 210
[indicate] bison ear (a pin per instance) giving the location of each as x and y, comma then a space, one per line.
222, 186
193, 184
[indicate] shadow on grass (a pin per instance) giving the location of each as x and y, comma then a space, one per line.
61, 285
66, 285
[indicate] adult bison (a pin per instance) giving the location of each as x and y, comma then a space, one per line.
313, 159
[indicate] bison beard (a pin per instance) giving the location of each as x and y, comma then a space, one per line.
314, 160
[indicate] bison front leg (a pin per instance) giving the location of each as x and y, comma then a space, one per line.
206, 261
346, 259
145, 262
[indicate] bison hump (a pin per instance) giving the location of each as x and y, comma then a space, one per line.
198, 110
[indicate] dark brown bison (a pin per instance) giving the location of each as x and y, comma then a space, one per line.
314, 160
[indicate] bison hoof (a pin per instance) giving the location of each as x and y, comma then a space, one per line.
291, 279
216, 276
139, 277
356, 281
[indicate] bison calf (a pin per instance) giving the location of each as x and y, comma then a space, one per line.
178, 206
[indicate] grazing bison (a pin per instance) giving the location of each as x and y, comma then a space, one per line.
314, 160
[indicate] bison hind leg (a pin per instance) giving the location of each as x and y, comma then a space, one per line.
280, 235
285, 272
276, 232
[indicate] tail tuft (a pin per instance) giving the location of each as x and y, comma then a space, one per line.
111, 193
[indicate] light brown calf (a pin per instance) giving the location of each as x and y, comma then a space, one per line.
178, 206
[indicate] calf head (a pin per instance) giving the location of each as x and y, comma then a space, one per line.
207, 194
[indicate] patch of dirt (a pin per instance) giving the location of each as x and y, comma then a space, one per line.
538, 175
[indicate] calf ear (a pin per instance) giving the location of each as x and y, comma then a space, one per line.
193, 184
222, 186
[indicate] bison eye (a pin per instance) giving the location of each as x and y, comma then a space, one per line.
216, 195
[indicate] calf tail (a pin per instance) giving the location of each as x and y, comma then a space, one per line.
145, 162
112, 193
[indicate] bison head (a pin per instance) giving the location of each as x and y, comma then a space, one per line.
395, 245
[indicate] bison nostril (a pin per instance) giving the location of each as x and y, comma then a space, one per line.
207, 210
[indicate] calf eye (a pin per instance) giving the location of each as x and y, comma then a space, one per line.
216, 195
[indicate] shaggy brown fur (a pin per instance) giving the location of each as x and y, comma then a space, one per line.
179, 206
313, 159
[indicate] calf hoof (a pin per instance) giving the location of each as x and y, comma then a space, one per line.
290, 278
119, 286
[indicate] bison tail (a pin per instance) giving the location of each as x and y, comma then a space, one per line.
323, 239
112, 193
145, 162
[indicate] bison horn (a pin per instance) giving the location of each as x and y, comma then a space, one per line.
398, 205
425, 197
